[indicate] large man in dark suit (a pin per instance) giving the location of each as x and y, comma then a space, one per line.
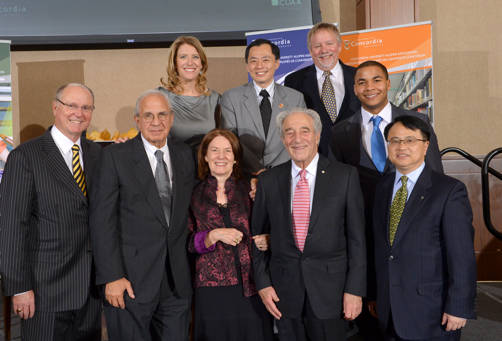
355, 142
315, 270
139, 229
424, 254
44, 240
250, 110
324, 43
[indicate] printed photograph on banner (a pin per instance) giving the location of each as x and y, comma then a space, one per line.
406, 52
6, 140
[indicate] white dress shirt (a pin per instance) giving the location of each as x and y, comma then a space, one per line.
337, 82
150, 153
64, 145
367, 125
311, 175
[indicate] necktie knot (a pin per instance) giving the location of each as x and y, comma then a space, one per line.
326, 73
376, 121
75, 148
159, 155
404, 180
264, 93
303, 174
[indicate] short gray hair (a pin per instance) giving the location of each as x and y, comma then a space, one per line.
60, 90
279, 120
148, 93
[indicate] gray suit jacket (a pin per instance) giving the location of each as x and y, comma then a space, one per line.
241, 114
44, 236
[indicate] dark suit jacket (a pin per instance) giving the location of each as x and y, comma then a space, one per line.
305, 81
44, 238
347, 146
129, 233
334, 257
430, 268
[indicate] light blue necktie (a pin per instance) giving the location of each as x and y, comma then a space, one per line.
378, 145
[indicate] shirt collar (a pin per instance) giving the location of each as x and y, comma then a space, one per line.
270, 89
151, 149
311, 168
385, 114
334, 71
62, 141
412, 177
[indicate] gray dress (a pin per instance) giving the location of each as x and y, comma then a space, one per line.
194, 116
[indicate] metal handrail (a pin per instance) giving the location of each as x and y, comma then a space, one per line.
485, 185
471, 158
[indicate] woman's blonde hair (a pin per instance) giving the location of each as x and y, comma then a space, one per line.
173, 82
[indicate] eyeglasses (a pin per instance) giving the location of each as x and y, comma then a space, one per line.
407, 141
74, 107
162, 116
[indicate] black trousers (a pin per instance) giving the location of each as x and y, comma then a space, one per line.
165, 318
310, 328
83, 324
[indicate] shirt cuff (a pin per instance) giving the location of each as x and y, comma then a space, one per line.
198, 242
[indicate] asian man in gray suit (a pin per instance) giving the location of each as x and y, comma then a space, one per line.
250, 110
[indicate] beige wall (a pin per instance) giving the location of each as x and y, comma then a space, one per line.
467, 54
117, 77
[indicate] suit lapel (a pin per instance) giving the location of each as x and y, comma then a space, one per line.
90, 161
414, 204
278, 105
143, 173
176, 176
253, 109
284, 183
348, 80
321, 190
58, 166
311, 87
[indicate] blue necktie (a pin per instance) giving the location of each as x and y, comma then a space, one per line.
378, 145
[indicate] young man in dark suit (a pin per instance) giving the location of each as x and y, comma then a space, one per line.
328, 84
356, 142
139, 229
424, 253
315, 271
46, 261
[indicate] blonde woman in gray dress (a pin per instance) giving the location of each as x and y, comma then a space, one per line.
195, 106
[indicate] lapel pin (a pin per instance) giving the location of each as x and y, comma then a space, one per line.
281, 106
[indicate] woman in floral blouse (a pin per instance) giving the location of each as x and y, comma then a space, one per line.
227, 306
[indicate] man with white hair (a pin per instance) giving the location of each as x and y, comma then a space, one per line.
315, 269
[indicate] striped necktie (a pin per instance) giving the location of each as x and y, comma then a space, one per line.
328, 96
301, 210
78, 172
397, 208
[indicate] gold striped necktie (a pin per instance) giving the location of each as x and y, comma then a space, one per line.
78, 172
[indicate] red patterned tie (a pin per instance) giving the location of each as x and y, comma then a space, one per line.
301, 210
